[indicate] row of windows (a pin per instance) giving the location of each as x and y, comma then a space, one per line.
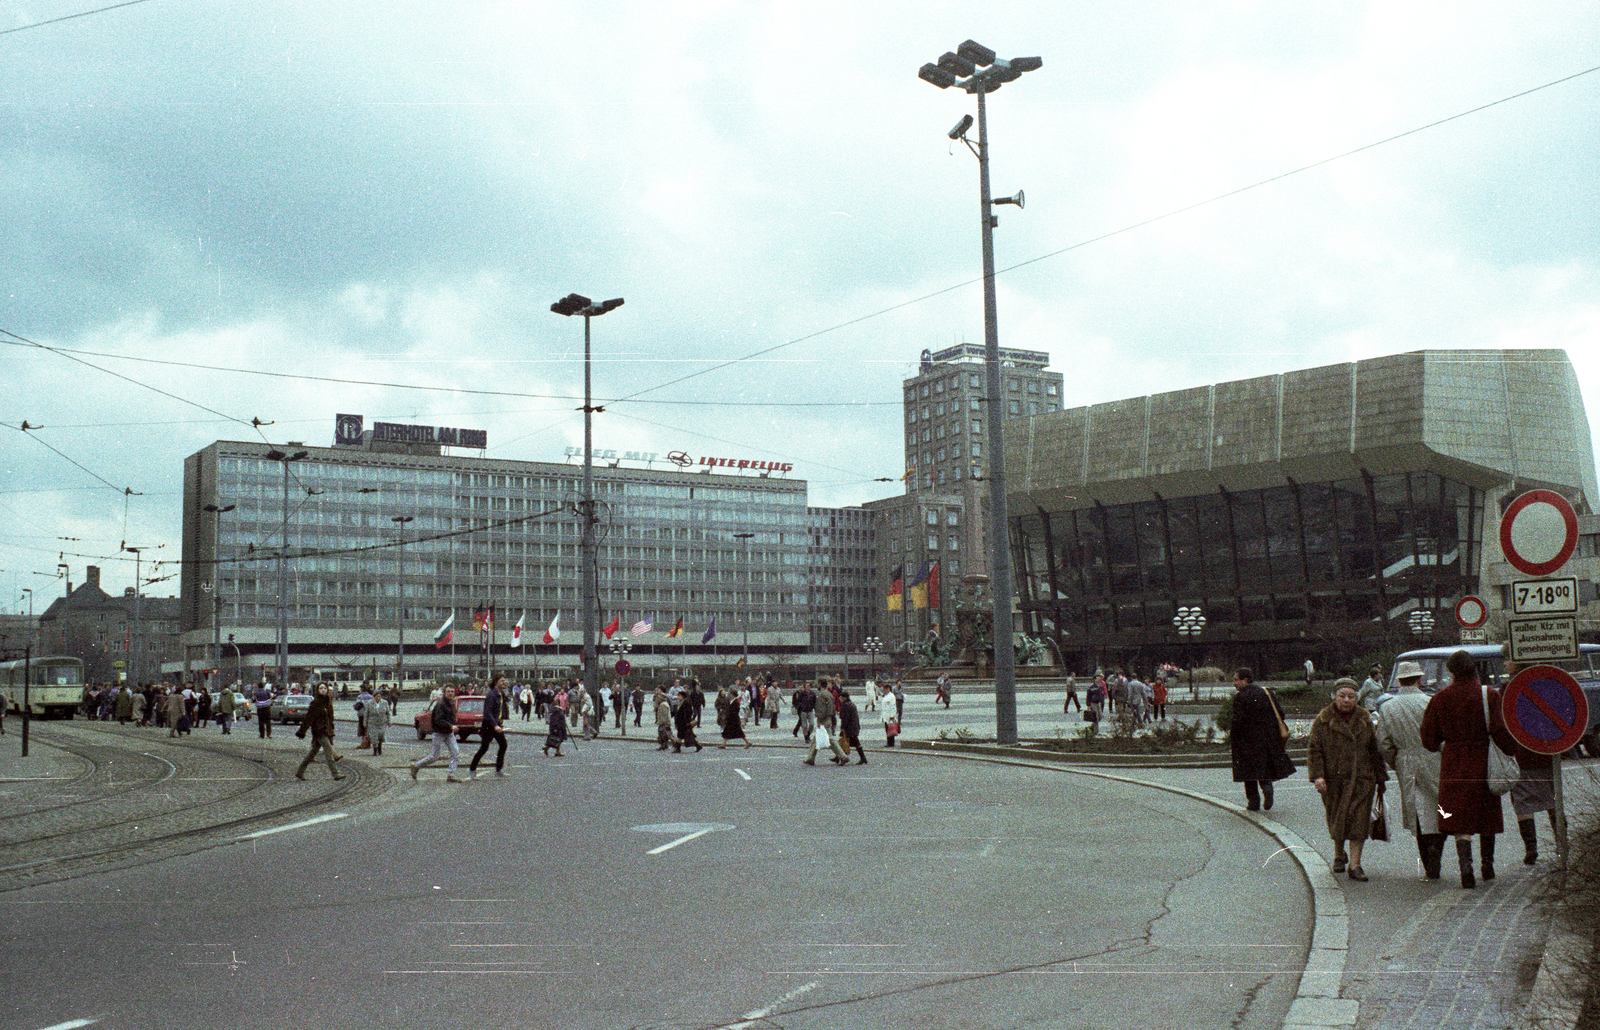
952, 543
432, 617
1014, 384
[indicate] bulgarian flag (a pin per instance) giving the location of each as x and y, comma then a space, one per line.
516, 631
612, 626
446, 633
676, 631
553, 634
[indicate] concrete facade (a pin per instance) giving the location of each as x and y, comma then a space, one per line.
1308, 512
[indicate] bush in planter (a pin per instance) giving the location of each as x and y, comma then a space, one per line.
1224, 716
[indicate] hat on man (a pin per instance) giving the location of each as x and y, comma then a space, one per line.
1408, 671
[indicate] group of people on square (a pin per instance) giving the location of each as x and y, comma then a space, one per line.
1438, 749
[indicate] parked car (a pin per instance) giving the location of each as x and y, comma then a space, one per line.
1585, 669
469, 718
288, 708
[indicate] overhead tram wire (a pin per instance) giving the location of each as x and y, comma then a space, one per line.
1118, 232
67, 351
69, 17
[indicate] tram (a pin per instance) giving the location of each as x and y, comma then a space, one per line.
55, 686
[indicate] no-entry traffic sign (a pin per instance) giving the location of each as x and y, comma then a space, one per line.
1538, 532
1471, 612
1545, 710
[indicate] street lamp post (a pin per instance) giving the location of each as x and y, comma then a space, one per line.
399, 608
134, 634
1421, 623
29, 592
216, 587
1189, 622
283, 598
977, 70
238, 659
872, 645
577, 304
746, 538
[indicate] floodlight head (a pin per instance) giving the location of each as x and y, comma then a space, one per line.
956, 65
1027, 64
571, 304
1017, 200
609, 305
977, 53
961, 127
936, 76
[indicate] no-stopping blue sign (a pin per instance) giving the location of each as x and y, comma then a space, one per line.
1545, 710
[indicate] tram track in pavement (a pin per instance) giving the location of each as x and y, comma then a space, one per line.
194, 796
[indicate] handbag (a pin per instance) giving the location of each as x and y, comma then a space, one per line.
1380, 817
1502, 770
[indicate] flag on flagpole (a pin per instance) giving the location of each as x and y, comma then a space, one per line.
933, 585
676, 631
553, 634
711, 632
479, 617
897, 588
919, 588
740, 663
642, 627
446, 633
516, 631
611, 627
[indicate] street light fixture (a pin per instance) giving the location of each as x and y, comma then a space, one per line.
746, 620
215, 586
1189, 622
977, 70
872, 645
577, 304
399, 607
1421, 623
283, 599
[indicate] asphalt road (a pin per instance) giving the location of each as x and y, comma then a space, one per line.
917, 891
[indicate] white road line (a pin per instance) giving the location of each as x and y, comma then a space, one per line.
762, 1013
741, 772
292, 826
70, 1024
681, 840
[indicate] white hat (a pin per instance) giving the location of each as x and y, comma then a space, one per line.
1408, 671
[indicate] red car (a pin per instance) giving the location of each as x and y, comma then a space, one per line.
469, 718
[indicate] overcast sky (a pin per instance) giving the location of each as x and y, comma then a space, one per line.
396, 193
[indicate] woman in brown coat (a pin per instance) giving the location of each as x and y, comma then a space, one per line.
1346, 768
1454, 724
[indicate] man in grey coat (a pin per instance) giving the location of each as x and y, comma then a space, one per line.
1415, 767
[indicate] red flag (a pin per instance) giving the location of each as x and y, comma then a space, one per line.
611, 627
933, 585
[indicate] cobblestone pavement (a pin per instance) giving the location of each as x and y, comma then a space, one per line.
1468, 963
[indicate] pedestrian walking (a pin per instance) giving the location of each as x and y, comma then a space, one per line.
638, 705
941, 690
363, 701
684, 720
825, 733
1158, 699
732, 725
1257, 740
263, 703
899, 691
663, 712
496, 708
556, 734
318, 721
805, 706
226, 704
1416, 769
1347, 769
124, 705
442, 720
891, 721
1371, 693
1459, 722
1072, 695
177, 719
378, 719
1534, 791
525, 702
850, 728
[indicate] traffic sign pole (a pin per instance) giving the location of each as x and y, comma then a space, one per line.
1559, 813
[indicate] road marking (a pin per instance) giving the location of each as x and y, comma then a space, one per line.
741, 772
296, 826
762, 1013
70, 1024
681, 840
988, 849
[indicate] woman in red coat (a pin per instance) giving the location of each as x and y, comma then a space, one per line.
1454, 723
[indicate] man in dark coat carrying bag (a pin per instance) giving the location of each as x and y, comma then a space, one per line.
1260, 754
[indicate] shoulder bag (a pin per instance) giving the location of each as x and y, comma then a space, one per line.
1503, 770
1283, 727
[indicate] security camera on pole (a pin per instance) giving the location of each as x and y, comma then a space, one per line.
977, 70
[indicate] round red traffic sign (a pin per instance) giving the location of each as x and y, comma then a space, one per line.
1538, 532
623, 666
1471, 612
1545, 710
